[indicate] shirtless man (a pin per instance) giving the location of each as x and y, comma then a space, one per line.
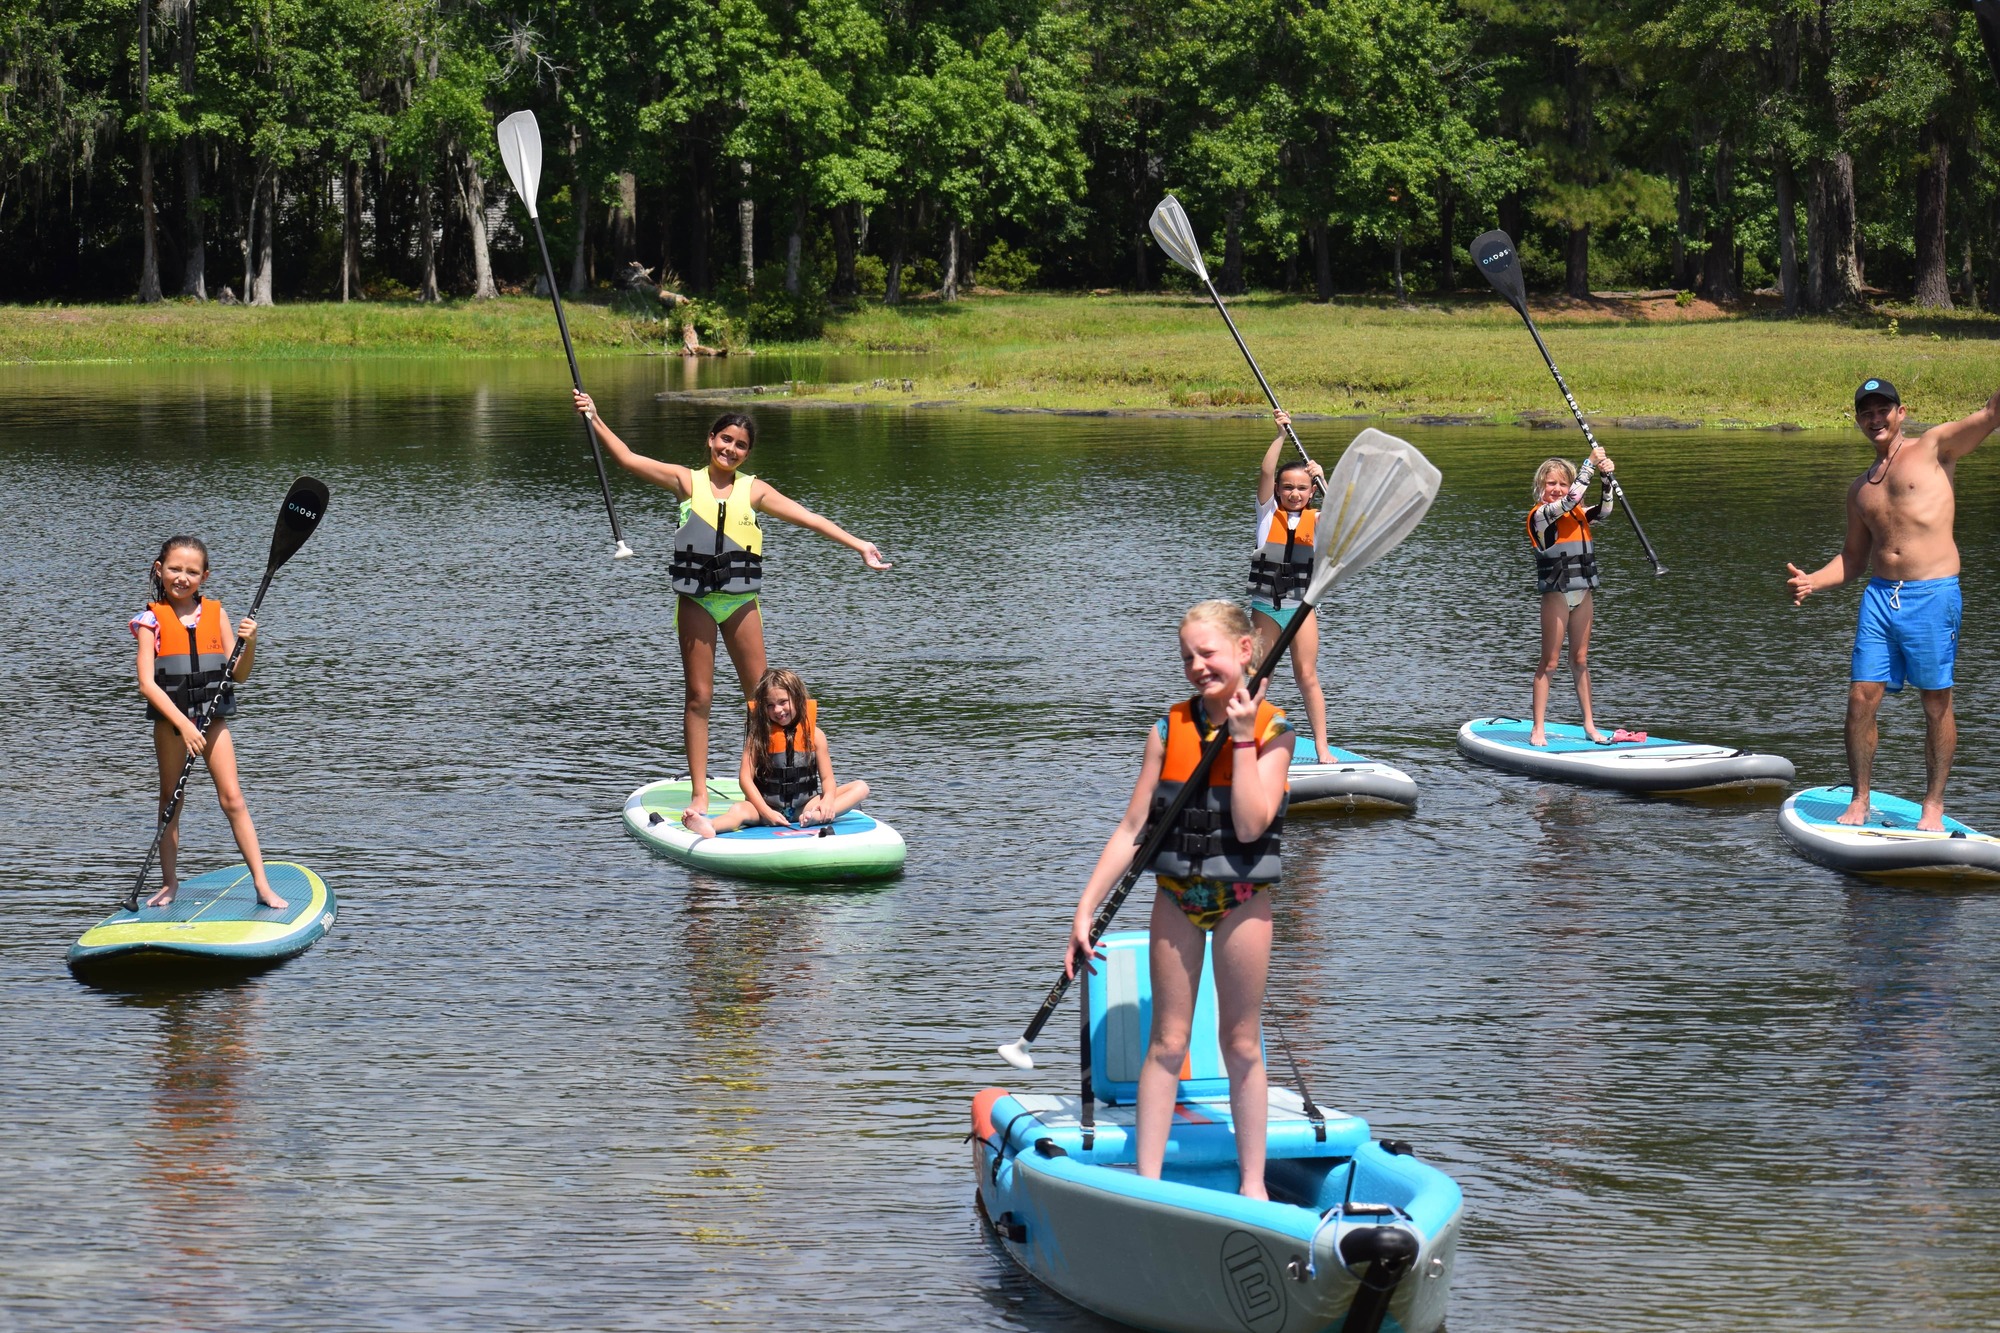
1899, 517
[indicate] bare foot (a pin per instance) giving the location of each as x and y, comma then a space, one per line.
1325, 755
1856, 811
1537, 739
1933, 818
163, 897
267, 897
698, 823
1596, 737
1249, 1191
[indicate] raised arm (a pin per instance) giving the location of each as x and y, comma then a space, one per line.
1956, 439
766, 499
670, 475
1851, 561
1267, 475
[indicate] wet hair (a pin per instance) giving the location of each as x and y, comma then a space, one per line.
773, 681
744, 424
172, 544
1224, 615
1549, 467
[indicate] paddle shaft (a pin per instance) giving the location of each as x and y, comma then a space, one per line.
576, 379
1156, 833
1262, 383
204, 716
1577, 412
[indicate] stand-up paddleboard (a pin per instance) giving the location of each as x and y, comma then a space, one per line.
1654, 764
854, 846
1890, 843
1350, 782
214, 925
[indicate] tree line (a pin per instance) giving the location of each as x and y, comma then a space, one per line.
801, 151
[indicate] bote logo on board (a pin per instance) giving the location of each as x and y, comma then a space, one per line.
1251, 1280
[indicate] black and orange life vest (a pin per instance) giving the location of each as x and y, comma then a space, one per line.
1282, 567
195, 672
1567, 563
1203, 841
789, 774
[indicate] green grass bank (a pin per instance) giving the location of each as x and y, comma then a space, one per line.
1467, 356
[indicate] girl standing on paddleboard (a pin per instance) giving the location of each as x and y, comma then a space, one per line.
1223, 849
184, 646
1565, 573
787, 770
1282, 567
719, 565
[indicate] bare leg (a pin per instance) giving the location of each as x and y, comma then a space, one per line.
735, 817
1864, 697
221, 761
172, 753
845, 797
1305, 670
1940, 744
743, 635
1545, 665
1176, 970
1579, 662
1242, 960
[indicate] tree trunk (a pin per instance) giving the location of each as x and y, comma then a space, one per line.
261, 292
1402, 296
579, 260
1843, 234
948, 289
350, 233
1576, 262
1718, 262
1322, 259
795, 245
1447, 202
892, 289
746, 229
844, 281
1683, 227
1965, 276
1933, 260
704, 220
194, 270
248, 216
1232, 249
1786, 187
472, 191
625, 221
149, 264
428, 244
1513, 215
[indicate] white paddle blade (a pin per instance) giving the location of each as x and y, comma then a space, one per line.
1175, 234
521, 150
1016, 1054
1379, 490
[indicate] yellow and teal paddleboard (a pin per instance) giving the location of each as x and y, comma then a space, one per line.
214, 924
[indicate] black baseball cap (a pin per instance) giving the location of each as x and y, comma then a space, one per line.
1873, 388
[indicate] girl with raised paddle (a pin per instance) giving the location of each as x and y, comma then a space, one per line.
1281, 567
1565, 573
718, 565
787, 769
185, 642
1222, 849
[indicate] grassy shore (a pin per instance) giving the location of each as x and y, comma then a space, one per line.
1466, 356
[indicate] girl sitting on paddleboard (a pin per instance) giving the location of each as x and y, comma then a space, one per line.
184, 646
1282, 567
1224, 848
1565, 572
719, 565
787, 770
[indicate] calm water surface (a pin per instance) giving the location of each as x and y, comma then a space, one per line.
537, 1079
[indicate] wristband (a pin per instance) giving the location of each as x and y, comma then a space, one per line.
1240, 744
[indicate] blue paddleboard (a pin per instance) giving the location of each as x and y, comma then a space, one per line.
214, 924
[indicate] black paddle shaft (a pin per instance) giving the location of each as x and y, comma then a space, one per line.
1262, 383
1495, 257
1156, 832
576, 379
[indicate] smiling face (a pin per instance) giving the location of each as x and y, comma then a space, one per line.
1213, 660
780, 708
1555, 486
1294, 490
181, 572
1880, 420
728, 447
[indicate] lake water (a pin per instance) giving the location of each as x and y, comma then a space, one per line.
538, 1079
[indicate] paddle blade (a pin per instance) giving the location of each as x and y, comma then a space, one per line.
1495, 256
521, 150
1175, 234
305, 505
1988, 12
1379, 490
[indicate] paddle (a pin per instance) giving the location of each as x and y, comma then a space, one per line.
1379, 489
521, 150
1175, 234
305, 504
1495, 257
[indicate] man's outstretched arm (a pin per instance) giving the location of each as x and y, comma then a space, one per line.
1956, 439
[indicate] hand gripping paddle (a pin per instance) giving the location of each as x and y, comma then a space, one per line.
305, 505
1494, 256
521, 150
1379, 490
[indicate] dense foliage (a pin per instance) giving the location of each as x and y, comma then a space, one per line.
772, 155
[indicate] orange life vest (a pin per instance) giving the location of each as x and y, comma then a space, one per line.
193, 668
789, 774
1203, 841
1282, 567
1567, 563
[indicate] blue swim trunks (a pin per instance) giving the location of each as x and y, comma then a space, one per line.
1908, 631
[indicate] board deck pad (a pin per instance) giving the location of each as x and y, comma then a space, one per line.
216, 917
1886, 813
1305, 752
669, 805
1563, 737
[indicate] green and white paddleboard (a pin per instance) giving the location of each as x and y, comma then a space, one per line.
855, 846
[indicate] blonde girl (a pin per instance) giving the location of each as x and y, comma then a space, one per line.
1565, 573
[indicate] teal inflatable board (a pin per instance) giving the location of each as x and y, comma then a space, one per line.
1350, 782
214, 924
1889, 843
1654, 764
